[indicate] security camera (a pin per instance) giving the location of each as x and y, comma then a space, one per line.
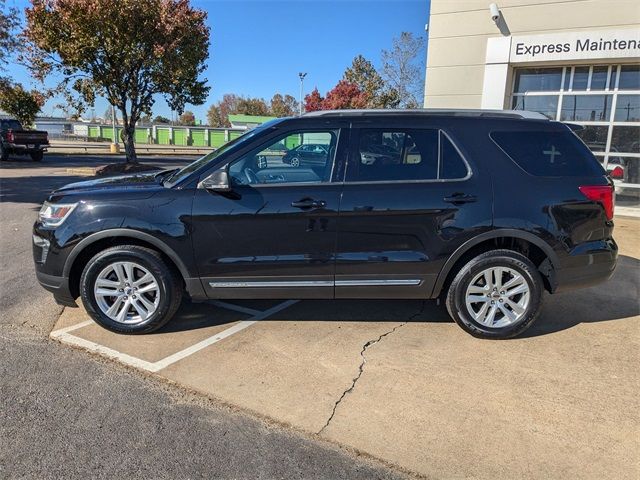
495, 12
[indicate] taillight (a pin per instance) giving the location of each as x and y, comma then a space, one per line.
10, 137
617, 173
603, 194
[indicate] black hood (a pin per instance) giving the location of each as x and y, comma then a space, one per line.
120, 186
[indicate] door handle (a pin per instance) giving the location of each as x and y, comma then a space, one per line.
307, 203
460, 198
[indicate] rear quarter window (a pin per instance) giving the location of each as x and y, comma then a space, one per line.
548, 153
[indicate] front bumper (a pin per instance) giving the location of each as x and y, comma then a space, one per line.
59, 286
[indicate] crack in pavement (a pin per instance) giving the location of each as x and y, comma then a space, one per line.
364, 361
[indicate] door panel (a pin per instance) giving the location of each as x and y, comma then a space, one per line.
274, 235
394, 237
254, 236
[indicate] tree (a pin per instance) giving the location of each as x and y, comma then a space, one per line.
19, 103
161, 119
145, 120
187, 118
108, 115
125, 50
345, 95
402, 69
217, 115
214, 117
252, 106
365, 76
286, 106
8, 39
313, 101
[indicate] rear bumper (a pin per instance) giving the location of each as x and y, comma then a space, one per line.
587, 265
59, 286
24, 149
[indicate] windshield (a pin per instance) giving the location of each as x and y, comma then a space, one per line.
184, 172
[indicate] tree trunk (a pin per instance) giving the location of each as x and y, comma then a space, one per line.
128, 138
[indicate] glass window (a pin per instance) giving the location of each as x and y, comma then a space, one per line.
595, 136
599, 78
627, 108
613, 77
396, 155
538, 79
626, 139
580, 78
301, 157
548, 153
544, 104
586, 108
629, 77
567, 78
452, 166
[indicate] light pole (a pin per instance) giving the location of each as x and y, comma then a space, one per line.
301, 75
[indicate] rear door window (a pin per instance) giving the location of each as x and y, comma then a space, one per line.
548, 154
413, 154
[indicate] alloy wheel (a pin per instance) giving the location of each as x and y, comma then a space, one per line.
127, 292
498, 297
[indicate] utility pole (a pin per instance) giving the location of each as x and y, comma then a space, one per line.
301, 75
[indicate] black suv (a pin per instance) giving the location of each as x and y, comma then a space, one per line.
483, 209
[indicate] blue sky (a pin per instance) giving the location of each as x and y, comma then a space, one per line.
259, 46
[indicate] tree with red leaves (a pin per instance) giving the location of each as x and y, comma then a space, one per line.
313, 101
345, 95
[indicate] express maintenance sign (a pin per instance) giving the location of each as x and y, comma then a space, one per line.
583, 45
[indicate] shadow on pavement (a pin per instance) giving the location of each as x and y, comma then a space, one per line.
616, 299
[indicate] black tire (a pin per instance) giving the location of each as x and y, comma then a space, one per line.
456, 304
168, 280
37, 156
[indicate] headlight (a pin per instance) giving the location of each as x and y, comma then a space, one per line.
53, 214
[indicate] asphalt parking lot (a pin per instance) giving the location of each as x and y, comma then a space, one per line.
399, 381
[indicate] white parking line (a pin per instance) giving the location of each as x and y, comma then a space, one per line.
64, 336
237, 308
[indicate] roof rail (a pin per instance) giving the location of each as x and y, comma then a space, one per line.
430, 111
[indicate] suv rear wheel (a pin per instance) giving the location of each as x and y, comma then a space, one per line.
496, 295
130, 289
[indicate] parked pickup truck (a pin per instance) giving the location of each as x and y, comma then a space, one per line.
16, 140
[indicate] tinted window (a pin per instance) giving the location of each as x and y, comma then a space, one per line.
300, 157
426, 154
548, 154
452, 166
629, 77
385, 155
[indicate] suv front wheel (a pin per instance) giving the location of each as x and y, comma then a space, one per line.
496, 295
130, 289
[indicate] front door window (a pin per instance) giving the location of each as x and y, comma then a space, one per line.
300, 157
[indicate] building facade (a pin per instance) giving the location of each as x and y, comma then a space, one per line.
572, 60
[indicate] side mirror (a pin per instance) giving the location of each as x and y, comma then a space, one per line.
218, 181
